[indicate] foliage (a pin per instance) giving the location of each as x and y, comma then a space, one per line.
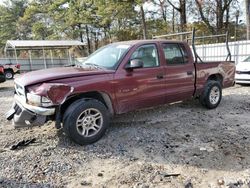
103, 21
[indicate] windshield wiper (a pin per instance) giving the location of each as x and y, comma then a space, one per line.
70, 65
95, 65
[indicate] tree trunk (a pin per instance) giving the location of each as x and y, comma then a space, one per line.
183, 17
88, 40
248, 18
227, 18
203, 17
219, 16
173, 21
96, 40
81, 33
144, 27
163, 10
182, 10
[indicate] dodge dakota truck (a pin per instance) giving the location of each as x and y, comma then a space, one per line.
116, 79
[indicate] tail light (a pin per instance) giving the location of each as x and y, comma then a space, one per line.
18, 66
2, 69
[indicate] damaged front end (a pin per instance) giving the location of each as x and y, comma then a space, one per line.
37, 104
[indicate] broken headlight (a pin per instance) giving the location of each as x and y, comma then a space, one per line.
46, 102
37, 100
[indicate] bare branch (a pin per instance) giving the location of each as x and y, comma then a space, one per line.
176, 8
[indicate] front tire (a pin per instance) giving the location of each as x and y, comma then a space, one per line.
86, 121
211, 95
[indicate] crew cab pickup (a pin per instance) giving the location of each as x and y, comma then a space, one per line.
116, 79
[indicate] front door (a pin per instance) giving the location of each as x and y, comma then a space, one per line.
141, 87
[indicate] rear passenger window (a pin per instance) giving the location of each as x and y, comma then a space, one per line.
174, 54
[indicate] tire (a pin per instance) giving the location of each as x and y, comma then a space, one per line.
212, 94
86, 121
8, 74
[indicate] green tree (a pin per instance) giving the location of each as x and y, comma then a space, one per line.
10, 12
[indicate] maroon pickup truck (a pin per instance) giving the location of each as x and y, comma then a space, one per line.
116, 79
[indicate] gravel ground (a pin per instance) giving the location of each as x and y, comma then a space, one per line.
179, 145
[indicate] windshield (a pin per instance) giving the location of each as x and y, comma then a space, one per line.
247, 59
107, 56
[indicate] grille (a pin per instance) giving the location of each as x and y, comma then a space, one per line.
20, 91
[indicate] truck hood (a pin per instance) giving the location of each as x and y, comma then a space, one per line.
243, 66
44, 75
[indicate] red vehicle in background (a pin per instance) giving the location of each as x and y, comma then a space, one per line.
10, 70
2, 75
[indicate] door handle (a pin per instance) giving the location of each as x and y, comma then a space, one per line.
189, 72
160, 76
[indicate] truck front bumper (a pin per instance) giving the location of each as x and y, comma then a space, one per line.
24, 114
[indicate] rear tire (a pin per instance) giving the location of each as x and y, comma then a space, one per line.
212, 94
8, 74
86, 121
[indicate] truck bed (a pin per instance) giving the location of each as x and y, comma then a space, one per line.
223, 69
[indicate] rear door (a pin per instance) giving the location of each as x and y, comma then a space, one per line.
141, 87
179, 69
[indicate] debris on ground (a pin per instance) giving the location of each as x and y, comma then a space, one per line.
22, 144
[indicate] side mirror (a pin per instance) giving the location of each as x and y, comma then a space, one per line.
134, 64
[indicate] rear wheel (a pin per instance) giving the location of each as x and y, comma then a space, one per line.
8, 74
211, 95
85, 121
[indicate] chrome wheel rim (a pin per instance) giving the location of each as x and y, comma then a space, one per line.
214, 95
89, 122
8, 75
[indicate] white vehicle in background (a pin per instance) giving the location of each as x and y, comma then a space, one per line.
242, 75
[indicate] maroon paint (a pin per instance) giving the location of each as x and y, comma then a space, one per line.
130, 90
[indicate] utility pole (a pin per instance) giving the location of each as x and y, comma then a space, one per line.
247, 2
236, 24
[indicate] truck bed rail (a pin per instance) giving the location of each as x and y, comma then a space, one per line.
193, 38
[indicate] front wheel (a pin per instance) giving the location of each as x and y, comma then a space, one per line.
211, 95
86, 121
8, 74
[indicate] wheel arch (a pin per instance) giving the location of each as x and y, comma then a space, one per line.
216, 77
8, 69
100, 96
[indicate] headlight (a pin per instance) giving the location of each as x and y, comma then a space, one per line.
37, 100
46, 102
33, 99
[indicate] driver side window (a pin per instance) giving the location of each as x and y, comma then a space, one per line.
147, 54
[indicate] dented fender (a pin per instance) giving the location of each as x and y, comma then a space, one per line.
56, 92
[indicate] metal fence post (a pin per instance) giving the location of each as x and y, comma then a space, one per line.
30, 60
44, 60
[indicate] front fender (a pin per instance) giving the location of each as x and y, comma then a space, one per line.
56, 92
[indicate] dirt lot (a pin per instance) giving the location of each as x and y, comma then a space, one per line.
203, 148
